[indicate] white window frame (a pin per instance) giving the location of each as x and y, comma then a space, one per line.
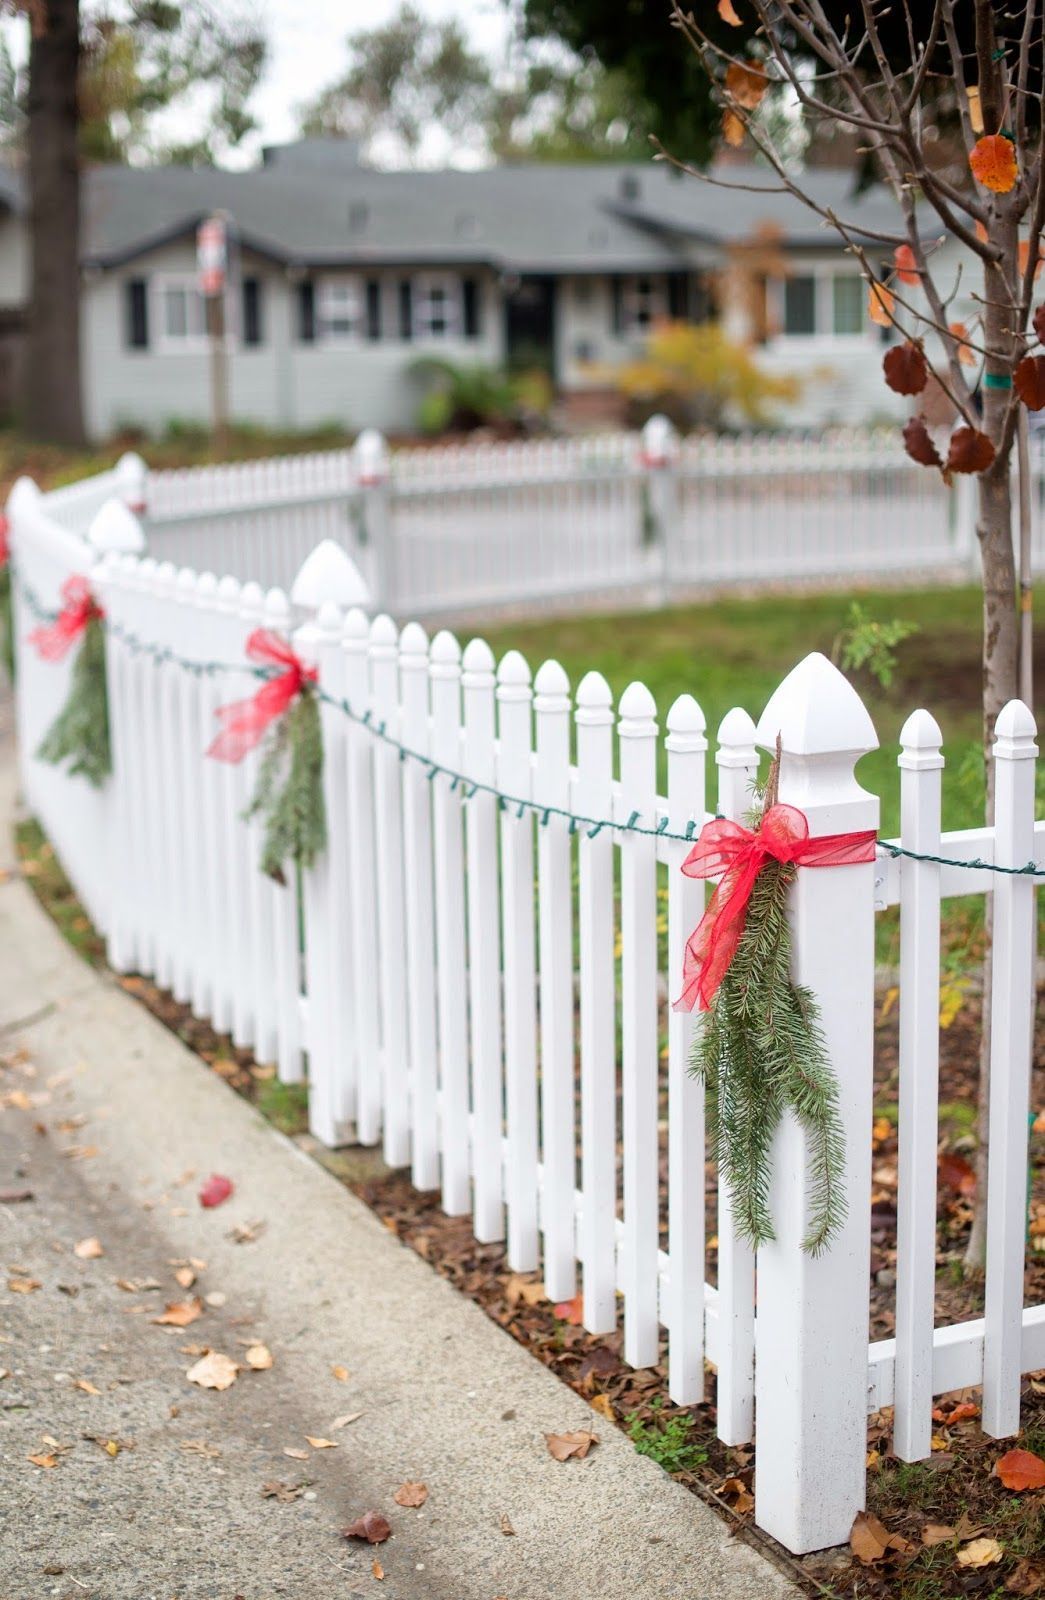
330, 290
644, 301
173, 343
823, 274
448, 285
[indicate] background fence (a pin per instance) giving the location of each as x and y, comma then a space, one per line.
461, 529
483, 976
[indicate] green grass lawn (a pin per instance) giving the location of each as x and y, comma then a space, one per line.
735, 651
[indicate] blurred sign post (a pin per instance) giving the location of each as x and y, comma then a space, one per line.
212, 258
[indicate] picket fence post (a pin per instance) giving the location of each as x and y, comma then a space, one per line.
812, 1324
659, 459
372, 474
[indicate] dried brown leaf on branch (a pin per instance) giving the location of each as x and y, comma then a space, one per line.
992, 161
747, 84
966, 356
880, 305
727, 11
732, 129
1029, 382
564, 1445
970, 451
905, 264
1020, 1469
1038, 323
905, 367
919, 445
371, 1526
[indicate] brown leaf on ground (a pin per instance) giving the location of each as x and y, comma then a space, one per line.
604, 1406
371, 1526
1020, 1469
259, 1357
214, 1371
967, 1528
937, 1533
520, 1287
954, 1172
295, 1454
737, 1494
88, 1249
506, 1526
871, 1541
318, 1443
1028, 1577
111, 1447
185, 1277
179, 1313
980, 1553
14, 1197
564, 1445
285, 1492
86, 1385
377, 1569
46, 1461
341, 1373
411, 1494
23, 1285
246, 1232
571, 1311
200, 1447
343, 1422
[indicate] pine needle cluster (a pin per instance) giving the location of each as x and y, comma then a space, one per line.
7, 623
289, 790
761, 1051
79, 734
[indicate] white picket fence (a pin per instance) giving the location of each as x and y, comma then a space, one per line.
643, 517
481, 986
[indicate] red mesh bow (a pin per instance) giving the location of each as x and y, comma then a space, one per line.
5, 543
54, 640
729, 849
244, 721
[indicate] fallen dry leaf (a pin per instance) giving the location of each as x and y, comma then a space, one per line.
215, 1191
603, 1405
246, 1232
259, 1357
981, 1553
1020, 1469
871, 1541
321, 1444
294, 1454
371, 1526
377, 1569
213, 1371
564, 1445
1027, 1578
86, 1385
23, 1285
275, 1490
200, 1447
518, 1286
14, 1197
938, 1533
88, 1249
506, 1527
343, 1422
411, 1494
112, 1447
340, 1373
185, 1277
571, 1311
737, 1494
47, 1461
179, 1313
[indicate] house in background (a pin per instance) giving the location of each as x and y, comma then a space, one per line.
344, 276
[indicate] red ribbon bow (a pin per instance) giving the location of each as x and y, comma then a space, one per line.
54, 640
729, 849
5, 543
244, 721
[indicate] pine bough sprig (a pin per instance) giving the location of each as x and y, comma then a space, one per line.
288, 794
79, 735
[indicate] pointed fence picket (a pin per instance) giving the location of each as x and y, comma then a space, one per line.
473, 975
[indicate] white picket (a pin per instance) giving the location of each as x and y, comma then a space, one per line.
1012, 1027
286, 941
921, 765
359, 749
737, 762
420, 914
484, 942
637, 732
593, 798
551, 789
514, 697
388, 815
686, 746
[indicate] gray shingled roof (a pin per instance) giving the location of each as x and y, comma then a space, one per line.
305, 208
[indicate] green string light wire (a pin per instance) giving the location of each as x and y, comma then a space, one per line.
468, 787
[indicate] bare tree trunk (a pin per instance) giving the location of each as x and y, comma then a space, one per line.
51, 384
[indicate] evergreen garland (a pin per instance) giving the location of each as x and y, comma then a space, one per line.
289, 790
761, 1051
80, 732
7, 622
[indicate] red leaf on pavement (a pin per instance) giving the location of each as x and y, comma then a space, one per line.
1020, 1469
919, 445
1029, 382
905, 367
371, 1526
970, 451
571, 1311
216, 1190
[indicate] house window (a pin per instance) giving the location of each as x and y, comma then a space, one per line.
642, 303
182, 313
339, 309
848, 303
436, 308
799, 305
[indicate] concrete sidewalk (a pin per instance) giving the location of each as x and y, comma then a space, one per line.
110, 1113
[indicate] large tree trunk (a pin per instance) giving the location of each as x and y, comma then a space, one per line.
51, 386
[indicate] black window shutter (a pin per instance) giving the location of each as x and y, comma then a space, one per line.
373, 308
678, 295
251, 311
406, 309
617, 286
307, 311
137, 314
470, 307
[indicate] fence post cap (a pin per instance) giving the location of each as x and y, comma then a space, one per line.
277, 609
660, 441
551, 684
685, 716
593, 692
816, 711
920, 741
513, 671
131, 473
355, 630
445, 652
370, 455
329, 573
252, 602
228, 592
207, 586
478, 657
637, 711
413, 641
1014, 732
383, 634
115, 527
24, 491
184, 583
